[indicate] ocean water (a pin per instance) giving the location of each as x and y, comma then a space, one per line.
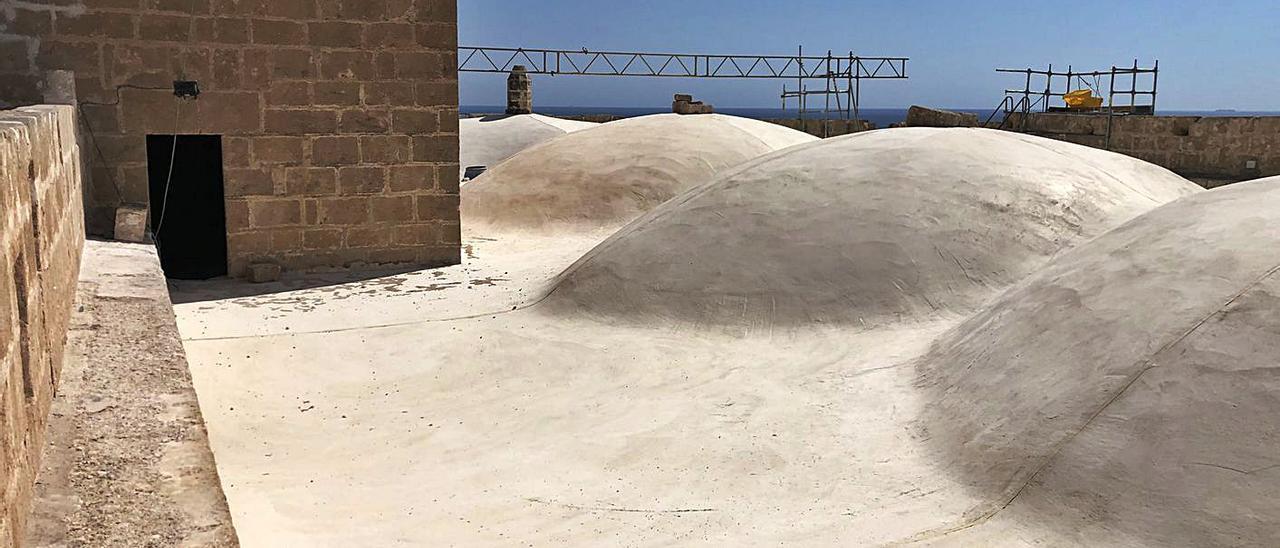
881, 117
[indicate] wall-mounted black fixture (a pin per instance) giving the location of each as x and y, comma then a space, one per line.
186, 89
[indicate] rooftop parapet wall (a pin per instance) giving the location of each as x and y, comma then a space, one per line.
1227, 147
825, 128
41, 239
127, 459
815, 127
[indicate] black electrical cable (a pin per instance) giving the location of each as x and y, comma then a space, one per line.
177, 126
124, 86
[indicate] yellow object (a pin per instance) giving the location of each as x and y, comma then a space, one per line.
1082, 98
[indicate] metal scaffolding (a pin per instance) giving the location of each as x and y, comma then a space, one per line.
1120, 81
833, 71
851, 69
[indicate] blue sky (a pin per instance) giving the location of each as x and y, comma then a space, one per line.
1213, 54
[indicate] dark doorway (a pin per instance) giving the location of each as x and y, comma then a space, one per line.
188, 217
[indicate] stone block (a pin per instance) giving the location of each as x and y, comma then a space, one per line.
272, 213
343, 211
99, 24
338, 34
224, 112
358, 180
131, 224
278, 150
440, 94
224, 30
343, 94
390, 35
311, 181
278, 32
263, 272
392, 208
347, 65
440, 149
322, 238
413, 177
367, 237
289, 64
246, 182
386, 149
411, 122
286, 239
437, 207
420, 65
166, 28
364, 121
415, 234
441, 36
300, 121
918, 116
695, 108
288, 94
389, 93
60, 88
335, 151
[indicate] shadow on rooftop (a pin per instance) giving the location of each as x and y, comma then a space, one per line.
194, 291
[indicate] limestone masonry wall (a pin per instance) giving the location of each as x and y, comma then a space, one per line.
338, 117
1193, 146
41, 238
825, 128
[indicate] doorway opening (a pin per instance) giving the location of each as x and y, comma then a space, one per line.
188, 216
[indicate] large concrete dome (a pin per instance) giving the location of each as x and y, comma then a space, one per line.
608, 175
1127, 393
492, 139
872, 228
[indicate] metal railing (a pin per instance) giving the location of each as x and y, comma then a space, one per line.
1009, 106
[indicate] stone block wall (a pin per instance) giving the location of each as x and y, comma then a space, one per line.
825, 128
41, 239
338, 117
1221, 148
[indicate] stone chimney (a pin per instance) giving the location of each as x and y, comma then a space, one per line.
519, 91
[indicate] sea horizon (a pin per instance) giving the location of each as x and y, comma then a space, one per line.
881, 116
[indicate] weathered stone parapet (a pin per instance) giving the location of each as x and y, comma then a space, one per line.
1209, 147
41, 239
127, 459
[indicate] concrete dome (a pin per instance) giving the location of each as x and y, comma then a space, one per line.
866, 229
608, 175
492, 139
1128, 392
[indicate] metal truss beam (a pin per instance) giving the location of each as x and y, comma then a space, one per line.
677, 65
